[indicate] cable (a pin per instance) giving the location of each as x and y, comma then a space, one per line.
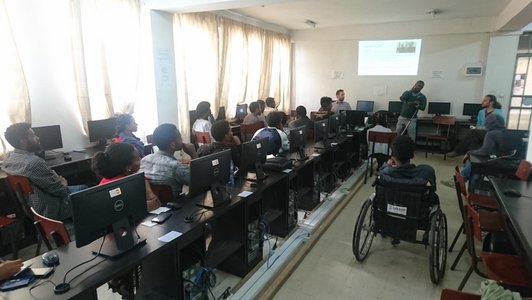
192, 217
85, 262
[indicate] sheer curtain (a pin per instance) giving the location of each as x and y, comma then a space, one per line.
14, 97
236, 63
108, 52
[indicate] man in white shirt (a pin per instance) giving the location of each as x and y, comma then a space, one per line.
381, 150
340, 103
270, 106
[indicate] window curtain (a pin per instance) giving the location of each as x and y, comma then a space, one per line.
14, 97
236, 63
109, 51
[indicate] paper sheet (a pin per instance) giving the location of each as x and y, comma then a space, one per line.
170, 236
159, 210
244, 194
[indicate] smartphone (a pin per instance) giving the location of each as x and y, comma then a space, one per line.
41, 272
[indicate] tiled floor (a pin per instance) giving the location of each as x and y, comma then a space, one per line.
330, 270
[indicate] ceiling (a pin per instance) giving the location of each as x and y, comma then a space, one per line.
331, 13
292, 14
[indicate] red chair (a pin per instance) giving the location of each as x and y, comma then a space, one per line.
202, 138
442, 135
12, 225
523, 171
377, 137
163, 192
247, 131
51, 230
448, 294
505, 268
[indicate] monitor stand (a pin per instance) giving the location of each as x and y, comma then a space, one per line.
123, 239
42, 154
215, 197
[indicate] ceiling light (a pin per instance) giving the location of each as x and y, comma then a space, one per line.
311, 23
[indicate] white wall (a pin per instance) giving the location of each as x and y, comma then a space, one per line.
314, 62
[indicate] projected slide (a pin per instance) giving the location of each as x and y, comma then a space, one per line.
392, 57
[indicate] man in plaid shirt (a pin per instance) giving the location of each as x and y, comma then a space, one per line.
51, 193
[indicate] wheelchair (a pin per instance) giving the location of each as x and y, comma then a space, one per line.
399, 208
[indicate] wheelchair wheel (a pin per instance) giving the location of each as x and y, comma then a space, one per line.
438, 246
363, 234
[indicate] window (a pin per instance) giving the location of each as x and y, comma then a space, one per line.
519, 114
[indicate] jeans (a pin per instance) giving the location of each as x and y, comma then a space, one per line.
473, 179
401, 124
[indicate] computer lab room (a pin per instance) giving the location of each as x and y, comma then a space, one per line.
265, 149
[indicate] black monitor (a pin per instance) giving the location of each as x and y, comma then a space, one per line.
110, 209
241, 111
394, 108
471, 109
334, 124
49, 137
297, 141
221, 113
102, 130
211, 173
365, 105
439, 108
253, 157
355, 119
321, 133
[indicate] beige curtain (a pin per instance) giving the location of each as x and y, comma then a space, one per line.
240, 63
106, 48
14, 97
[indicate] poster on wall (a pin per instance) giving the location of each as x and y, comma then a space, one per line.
389, 57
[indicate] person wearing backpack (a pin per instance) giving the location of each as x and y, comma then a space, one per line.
277, 138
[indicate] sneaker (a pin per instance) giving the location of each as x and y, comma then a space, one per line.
448, 183
395, 242
452, 154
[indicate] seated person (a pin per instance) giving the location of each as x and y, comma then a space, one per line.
9, 268
120, 160
224, 139
51, 192
278, 140
202, 123
325, 110
340, 104
399, 166
253, 116
378, 121
162, 167
125, 126
270, 106
262, 107
474, 137
301, 119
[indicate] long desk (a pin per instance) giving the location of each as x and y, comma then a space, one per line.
232, 229
517, 212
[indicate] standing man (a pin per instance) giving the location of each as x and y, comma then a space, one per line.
413, 100
340, 103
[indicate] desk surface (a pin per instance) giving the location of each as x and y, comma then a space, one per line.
518, 211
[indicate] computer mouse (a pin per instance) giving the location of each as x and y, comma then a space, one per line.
512, 193
67, 157
50, 259
174, 205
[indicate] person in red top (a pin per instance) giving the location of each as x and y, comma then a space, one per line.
120, 160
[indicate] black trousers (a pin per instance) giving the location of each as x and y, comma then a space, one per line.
471, 141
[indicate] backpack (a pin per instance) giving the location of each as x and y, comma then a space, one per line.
274, 139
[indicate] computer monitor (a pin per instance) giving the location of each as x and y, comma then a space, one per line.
110, 209
253, 157
394, 108
355, 119
221, 113
102, 130
439, 108
297, 141
334, 124
50, 139
321, 133
241, 111
210, 173
471, 109
365, 105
